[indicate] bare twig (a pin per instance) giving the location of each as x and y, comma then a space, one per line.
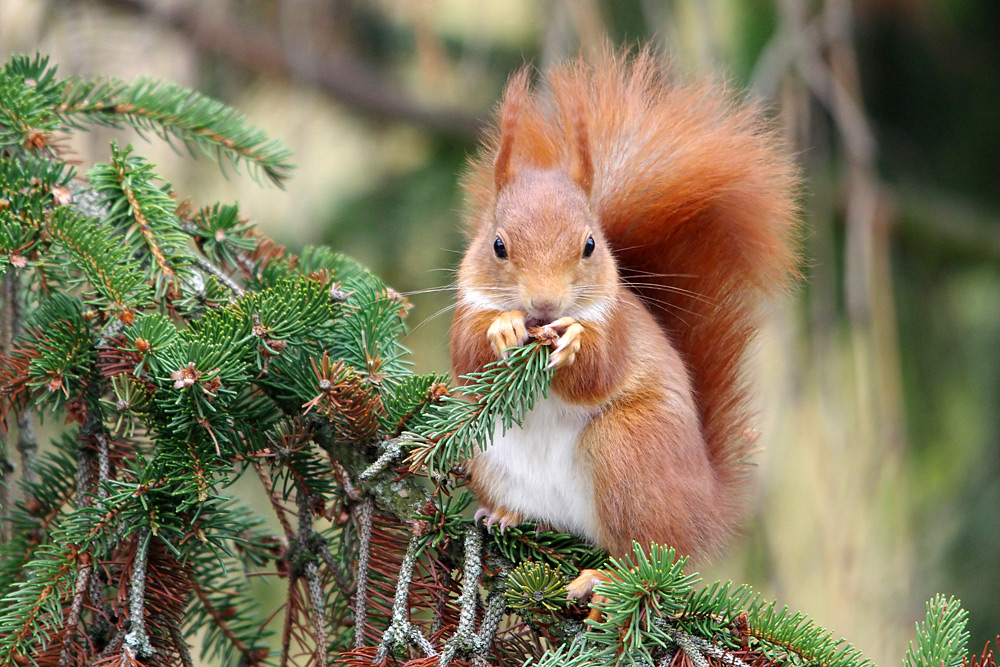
364, 559
401, 631
317, 607
27, 447
391, 449
103, 463
697, 647
137, 640
317, 611
79, 596
219, 274
465, 638
279, 511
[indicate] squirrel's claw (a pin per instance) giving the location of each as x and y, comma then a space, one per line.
507, 330
568, 343
506, 518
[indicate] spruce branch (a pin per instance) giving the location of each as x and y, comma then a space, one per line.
448, 433
169, 111
942, 639
27, 447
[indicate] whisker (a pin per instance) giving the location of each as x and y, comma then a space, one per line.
440, 312
653, 274
669, 308
674, 289
452, 288
658, 306
431, 290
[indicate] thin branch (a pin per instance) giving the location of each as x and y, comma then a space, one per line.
181, 645
465, 637
137, 640
79, 596
401, 631
223, 624
391, 450
279, 511
364, 558
495, 606
206, 265
317, 611
103, 464
27, 447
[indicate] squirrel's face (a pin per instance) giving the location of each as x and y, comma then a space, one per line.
543, 253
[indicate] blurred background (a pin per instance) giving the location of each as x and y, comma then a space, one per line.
879, 380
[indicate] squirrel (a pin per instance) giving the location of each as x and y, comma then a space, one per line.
641, 223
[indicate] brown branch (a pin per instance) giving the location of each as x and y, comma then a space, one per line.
220, 622
278, 509
142, 224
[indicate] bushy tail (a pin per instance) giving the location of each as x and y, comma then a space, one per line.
698, 199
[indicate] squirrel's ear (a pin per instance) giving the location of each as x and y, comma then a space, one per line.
581, 166
510, 111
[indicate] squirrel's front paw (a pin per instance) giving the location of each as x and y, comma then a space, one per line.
506, 331
569, 333
506, 518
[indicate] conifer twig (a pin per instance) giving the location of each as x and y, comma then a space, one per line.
137, 640
279, 511
465, 637
317, 611
495, 606
695, 648
80, 590
103, 464
401, 630
219, 274
182, 648
391, 449
365, 516
27, 444
317, 608
27, 447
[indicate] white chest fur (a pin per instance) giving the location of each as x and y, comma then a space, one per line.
538, 471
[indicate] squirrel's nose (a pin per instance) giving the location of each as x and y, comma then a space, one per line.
544, 309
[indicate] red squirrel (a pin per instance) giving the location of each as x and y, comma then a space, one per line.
642, 222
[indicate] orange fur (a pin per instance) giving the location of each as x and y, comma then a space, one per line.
695, 201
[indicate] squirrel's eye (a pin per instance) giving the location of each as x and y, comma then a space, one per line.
499, 249
588, 247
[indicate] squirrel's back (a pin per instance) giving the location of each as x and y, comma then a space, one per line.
695, 195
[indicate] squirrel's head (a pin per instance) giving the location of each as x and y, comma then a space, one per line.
542, 252
545, 254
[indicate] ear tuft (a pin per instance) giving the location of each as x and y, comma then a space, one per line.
510, 111
581, 166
